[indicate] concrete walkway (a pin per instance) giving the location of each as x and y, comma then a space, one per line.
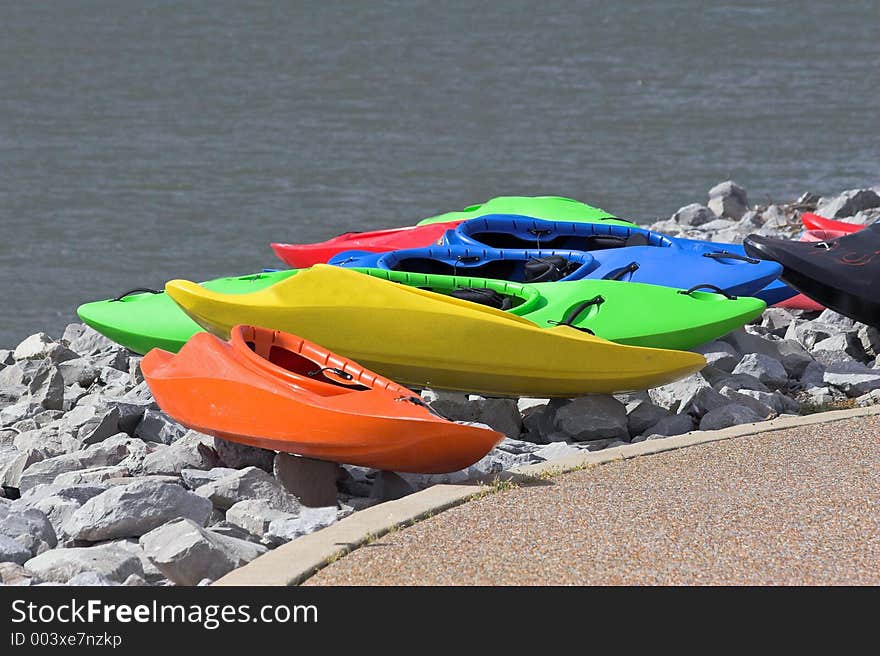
795, 506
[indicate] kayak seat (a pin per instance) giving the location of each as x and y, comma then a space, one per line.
483, 296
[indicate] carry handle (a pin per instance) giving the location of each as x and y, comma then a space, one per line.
576, 311
617, 274
727, 255
136, 290
715, 289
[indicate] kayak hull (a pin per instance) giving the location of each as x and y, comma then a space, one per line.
267, 389
815, 222
423, 339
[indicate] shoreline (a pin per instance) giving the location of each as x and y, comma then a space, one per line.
101, 488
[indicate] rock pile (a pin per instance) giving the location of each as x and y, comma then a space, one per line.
99, 487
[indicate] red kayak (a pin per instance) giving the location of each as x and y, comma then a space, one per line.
273, 390
301, 256
815, 222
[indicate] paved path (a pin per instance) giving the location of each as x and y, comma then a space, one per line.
796, 506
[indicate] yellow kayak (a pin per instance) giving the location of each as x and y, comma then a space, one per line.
424, 339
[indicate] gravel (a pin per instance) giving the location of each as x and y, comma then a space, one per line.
791, 507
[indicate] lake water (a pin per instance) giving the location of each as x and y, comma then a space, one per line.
141, 141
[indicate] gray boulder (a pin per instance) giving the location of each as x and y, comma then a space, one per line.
672, 425
30, 528
640, 415
134, 509
848, 203
47, 388
592, 417
12, 551
854, 380
766, 369
729, 415
61, 565
158, 427
741, 398
839, 348
92, 476
693, 215
78, 371
48, 442
248, 483
720, 355
503, 415
192, 451
92, 579
14, 574
112, 451
194, 478
312, 482
870, 339
187, 553
793, 356
238, 456
679, 393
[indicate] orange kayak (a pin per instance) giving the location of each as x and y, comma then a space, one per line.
273, 390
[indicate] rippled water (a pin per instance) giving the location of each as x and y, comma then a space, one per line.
146, 140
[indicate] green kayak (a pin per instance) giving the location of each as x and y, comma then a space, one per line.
549, 208
625, 312
144, 320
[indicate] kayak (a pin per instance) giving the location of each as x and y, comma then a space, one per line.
815, 222
430, 231
276, 391
377, 241
513, 265
621, 253
799, 301
842, 274
668, 318
553, 208
423, 339
147, 318
513, 231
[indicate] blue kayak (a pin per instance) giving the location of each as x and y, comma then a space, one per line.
514, 265
515, 231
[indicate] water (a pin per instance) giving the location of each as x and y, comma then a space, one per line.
141, 141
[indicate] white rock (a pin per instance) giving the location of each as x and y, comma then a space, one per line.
308, 521
187, 553
94, 579
729, 415
255, 515
61, 565
673, 395
557, 450
40, 346
133, 510
763, 367
728, 199
248, 483
526, 403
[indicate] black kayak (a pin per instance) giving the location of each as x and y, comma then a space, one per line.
842, 274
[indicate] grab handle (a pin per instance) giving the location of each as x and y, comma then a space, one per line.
576, 311
136, 290
727, 255
715, 289
617, 274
